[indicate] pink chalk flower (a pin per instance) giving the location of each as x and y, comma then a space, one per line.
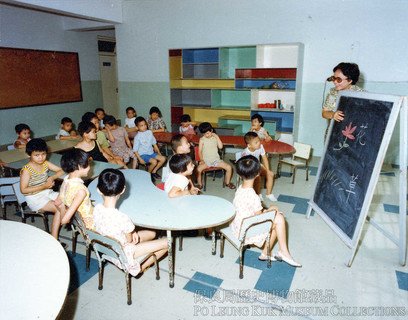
348, 132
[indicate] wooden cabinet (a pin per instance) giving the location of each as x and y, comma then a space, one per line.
226, 85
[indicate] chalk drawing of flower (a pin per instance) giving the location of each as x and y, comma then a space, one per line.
348, 133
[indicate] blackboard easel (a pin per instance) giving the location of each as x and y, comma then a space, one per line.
350, 167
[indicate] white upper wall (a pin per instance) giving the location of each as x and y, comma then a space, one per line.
100, 10
368, 32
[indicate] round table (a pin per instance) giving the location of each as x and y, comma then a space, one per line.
34, 274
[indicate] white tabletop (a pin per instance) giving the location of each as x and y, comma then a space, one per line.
34, 273
150, 207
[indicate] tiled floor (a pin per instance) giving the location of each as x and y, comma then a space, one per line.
206, 286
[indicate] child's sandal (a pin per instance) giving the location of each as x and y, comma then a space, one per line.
231, 186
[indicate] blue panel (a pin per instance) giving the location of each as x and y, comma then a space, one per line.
265, 84
402, 279
203, 284
284, 120
300, 203
391, 208
78, 272
209, 55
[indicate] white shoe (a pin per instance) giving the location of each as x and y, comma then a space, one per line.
261, 197
271, 197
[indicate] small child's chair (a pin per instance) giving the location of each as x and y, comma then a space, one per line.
7, 195
78, 227
212, 170
251, 226
108, 249
25, 210
303, 153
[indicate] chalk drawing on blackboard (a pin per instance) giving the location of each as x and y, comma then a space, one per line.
352, 186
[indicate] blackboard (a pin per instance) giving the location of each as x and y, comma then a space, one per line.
354, 152
37, 77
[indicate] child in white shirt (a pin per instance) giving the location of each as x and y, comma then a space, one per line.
257, 123
130, 125
176, 185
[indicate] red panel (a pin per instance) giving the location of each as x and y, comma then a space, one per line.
176, 113
276, 73
175, 53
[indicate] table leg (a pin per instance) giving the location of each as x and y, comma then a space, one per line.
171, 258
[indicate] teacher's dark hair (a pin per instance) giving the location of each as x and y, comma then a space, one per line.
85, 127
178, 163
350, 70
248, 167
73, 159
111, 182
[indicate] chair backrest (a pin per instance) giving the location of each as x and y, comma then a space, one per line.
10, 147
302, 150
6, 186
20, 197
196, 154
258, 224
238, 155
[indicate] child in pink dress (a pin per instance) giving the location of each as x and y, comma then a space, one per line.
119, 141
109, 221
247, 204
23, 135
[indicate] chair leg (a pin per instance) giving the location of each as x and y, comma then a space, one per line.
4, 213
293, 175
45, 219
205, 181
157, 268
181, 243
214, 172
74, 242
214, 243
101, 268
307, 173
222, 243
129, 288
88, 257
241, 262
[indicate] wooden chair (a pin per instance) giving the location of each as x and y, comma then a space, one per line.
212, 170
7, 195
250, 227
302, 153
25, 210
108, 249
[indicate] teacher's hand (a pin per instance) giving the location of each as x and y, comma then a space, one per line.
338, 116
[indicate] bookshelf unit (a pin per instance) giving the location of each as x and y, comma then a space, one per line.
226, 85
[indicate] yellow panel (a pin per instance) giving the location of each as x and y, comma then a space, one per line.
208, 83
175, 84
212, 115
175, 67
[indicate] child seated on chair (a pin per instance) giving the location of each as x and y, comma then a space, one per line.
146, 149
155, 121
209, 157
186, 125
247, 204
177, 183
256, 149
36, 185
66, 132
23, 135
130, 126
110, 222
73, 193
257, 123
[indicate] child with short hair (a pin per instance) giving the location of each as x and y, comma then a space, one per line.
186, 125
179, 145
36, 185
257, 123
247, 204
73, 193
130, 126
146, 149
110, 222
23, 135
155, 121
100, 113
256, 149
176, 185
119, 141
209, 157
66, 132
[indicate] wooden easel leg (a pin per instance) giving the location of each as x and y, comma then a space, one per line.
403, 182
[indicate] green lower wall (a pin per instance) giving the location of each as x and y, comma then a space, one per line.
45, 120
311, 129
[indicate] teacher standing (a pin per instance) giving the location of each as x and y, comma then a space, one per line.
345, 76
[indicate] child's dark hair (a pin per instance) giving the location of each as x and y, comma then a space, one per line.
20, 127
176, 141
249, 136
248, 167
111, 182
259, 118
88, 116
66, 120
99, 109
205, 127
85, 127
36, 144
139, 119
130, 109
109, 120
73, 159
185, 118
155, 110
178, 163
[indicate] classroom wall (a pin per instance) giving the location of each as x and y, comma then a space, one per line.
22, 28
368, 32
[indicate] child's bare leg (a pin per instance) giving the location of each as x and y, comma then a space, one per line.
269, 176
228, 171
146, 235
161, 160
257, 185
200, 169
158, 247
152, 164
272, 240
56, 221
279, 226
134, 162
